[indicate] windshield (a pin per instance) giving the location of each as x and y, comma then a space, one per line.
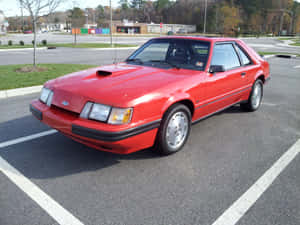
177, 53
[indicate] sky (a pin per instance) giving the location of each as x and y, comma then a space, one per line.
11, 8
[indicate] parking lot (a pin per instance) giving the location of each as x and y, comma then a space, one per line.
49, 179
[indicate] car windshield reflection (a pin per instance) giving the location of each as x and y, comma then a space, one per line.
172, 53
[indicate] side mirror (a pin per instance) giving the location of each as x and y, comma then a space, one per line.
216, 69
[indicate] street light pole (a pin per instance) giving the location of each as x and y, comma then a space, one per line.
205, 11
110, 22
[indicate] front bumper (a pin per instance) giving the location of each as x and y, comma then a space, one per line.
97, 135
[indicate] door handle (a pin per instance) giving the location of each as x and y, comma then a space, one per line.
243, 74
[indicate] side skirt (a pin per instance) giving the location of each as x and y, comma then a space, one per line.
220, 110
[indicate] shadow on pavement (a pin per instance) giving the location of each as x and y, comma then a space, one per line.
57, 156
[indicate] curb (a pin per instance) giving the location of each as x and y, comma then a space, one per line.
20, 49
20, 91
268, 56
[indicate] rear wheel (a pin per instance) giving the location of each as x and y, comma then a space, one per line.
174, 130
255, 98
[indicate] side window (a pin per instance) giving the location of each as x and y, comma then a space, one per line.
245, 59
225, 55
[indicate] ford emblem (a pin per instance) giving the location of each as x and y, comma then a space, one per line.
65, 103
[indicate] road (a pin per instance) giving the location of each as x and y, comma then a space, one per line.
223, 158
67, 38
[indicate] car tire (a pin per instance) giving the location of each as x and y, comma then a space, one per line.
255, 97
174, 130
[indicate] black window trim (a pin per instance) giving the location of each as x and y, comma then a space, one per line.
236, 45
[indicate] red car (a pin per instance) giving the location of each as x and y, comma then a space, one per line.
153, 97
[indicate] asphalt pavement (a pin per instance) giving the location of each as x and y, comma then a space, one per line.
224, 156
67, 38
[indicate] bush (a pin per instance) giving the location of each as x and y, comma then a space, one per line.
22, 43
10, 42
44, 42
32, 42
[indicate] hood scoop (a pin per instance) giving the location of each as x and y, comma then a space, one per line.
103, 73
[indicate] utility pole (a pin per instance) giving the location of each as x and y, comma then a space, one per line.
110, 22
205, 11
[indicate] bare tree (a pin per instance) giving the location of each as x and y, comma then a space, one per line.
36, 8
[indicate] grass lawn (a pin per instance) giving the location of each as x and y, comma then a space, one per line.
68, 45
11, 79
18, 46
90, 45
277, 53
286, 38
296, 43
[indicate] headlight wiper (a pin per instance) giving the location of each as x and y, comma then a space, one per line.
166, 62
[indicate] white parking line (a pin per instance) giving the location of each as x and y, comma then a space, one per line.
269, 104
27, 138
54, 209
236, 211
297, 67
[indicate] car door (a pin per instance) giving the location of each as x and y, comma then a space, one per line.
223, 88
249, 67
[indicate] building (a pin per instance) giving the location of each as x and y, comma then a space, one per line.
175, 28
130, 27
48, 27
3, 23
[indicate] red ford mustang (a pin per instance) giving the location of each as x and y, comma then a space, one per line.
153, 97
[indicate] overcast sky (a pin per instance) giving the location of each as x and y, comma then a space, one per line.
11, 8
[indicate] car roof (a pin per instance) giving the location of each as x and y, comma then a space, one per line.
200, 38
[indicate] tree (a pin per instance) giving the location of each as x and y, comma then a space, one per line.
231, 19
77, 17
137, 4
100, 15
124, 4
36, 8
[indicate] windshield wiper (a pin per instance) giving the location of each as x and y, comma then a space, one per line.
166, 62
135, 60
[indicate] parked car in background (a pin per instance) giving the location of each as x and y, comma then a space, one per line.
182, 31
27, 32
154, 97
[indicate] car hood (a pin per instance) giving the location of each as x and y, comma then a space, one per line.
115, 85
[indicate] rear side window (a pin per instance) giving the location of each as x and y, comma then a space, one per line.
225, 55
245, 59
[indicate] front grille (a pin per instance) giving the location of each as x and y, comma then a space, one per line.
65, 111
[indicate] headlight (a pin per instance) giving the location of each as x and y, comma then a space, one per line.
46, 96
120, 116
106, 113
100, 112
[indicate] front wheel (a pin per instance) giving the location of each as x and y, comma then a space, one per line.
255, 98
174, 130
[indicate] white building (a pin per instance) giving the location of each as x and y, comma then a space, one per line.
3, 23
175, 28
52, 27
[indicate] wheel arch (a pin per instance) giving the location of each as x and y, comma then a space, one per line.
185, 101
260, 75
